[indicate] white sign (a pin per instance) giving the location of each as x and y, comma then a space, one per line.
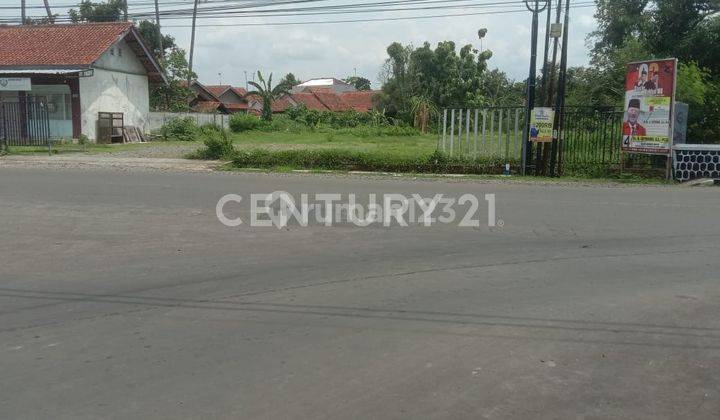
15, 83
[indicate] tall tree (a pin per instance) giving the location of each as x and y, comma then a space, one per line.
175, 96
445, 76
360, 83
110, 11
289, 81
149, 32
631, 30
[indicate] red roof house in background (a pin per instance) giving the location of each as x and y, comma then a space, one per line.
227, 99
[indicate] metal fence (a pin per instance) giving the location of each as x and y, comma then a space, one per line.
156, 120
496, 132
591, 137
24, 123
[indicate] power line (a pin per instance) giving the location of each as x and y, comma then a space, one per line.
382, 6
581, 5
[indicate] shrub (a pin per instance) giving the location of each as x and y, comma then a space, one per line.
184, 129
245, 122
297, 112
348, 160
217, 145
209, 128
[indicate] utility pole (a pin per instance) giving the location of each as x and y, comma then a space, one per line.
22, 12
157, 27
49, 12
125, 11
527, 147
560, 99
551, 83
543, 88
192, 43
246, 80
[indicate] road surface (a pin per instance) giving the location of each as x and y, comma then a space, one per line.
122, 296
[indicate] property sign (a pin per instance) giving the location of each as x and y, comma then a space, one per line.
541, 124
649, 102
15, 83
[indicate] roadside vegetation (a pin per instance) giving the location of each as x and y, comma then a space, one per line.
347, 141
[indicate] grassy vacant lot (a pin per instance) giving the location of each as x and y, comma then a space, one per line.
412, 146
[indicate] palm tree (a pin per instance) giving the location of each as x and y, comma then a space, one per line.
423, 109
267, 93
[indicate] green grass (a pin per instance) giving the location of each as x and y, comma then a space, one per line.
407, 146
92, 148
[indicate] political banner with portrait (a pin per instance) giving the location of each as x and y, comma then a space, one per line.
649, 101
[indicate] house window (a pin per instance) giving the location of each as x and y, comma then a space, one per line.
112, 50
120, 52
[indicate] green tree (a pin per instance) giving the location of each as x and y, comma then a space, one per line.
289, 81
632, 30
445, 76
423, 110
265, 90
110, 11
149, 32
360, 83
175, 96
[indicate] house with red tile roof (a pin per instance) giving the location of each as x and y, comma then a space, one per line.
224, 99
319, 100
75, 72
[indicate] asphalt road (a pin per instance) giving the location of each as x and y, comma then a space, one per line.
122, 296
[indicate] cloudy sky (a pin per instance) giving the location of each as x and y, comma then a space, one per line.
336, 50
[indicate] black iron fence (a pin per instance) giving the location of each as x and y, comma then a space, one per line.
24, 123
591, 138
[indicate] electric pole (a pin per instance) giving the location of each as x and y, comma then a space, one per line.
551, 82
527, 147
22, 12
125, 11
159, 33
560, 99
543, 87
49, 12
192, 43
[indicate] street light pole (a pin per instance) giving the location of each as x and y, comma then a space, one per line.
527, 147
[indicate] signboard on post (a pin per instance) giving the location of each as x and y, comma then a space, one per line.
15, 83
541, 124
649, 106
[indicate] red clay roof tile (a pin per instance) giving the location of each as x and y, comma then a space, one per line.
57, 45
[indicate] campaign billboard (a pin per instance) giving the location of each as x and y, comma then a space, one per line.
649, 102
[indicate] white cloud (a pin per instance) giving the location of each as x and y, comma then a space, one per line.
336, 49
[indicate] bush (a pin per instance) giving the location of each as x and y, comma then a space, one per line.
184, 129
245, 122
218, 145
347, 160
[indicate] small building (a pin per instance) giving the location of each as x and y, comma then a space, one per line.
221, 99
74, 72
330, 83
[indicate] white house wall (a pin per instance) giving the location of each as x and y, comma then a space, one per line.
119, 84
